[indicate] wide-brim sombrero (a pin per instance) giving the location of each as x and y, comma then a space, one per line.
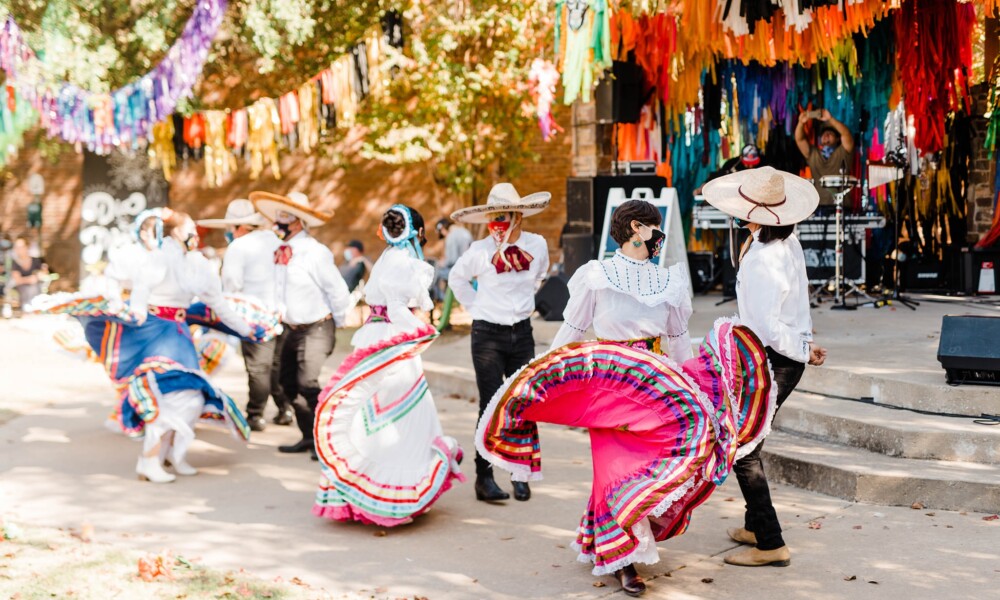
297, 204
764, 196
239, 212
503, 198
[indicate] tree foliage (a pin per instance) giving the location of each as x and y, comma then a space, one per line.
455, 97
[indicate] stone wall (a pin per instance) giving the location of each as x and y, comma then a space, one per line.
980, 194
336, 178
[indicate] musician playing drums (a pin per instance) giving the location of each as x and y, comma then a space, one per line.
832, 157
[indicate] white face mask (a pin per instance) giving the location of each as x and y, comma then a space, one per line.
348, 254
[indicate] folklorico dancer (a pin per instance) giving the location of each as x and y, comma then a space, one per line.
146, 346
663, 436
248, 269
507, 266
312, 298
772, 290
383, 454
629, 299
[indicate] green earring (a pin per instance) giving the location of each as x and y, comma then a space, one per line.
636, 243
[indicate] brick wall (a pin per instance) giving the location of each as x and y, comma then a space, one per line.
336, 179
980, 193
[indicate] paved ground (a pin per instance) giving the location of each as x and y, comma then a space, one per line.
250, 505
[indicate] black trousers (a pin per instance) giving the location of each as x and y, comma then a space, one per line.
497, 352
760, 517
263, 363
305, 350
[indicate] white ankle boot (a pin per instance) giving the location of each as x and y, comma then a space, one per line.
181, 465
149, 469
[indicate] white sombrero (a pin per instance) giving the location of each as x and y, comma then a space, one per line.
295, 203
239, 212
503, 198
764, 196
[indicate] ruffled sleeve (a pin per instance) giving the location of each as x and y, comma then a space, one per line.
198, 278
579, 313
677, 338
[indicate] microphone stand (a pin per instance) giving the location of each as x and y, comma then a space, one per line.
839, 297
898, 158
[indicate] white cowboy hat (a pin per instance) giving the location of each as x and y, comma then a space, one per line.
295, 203
764, 196
503, 198
239, 212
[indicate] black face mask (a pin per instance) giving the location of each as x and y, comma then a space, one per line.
655, 243
283, 230
740, 222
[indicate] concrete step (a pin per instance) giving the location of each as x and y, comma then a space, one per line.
920, 390
888, 431
863, 476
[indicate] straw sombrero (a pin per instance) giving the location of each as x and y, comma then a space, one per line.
503, 198
239, 212
295, 203
764, 196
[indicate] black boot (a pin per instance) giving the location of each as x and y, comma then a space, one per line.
284, 417
302, 445
521, 490
256, 423
631, 583
487, 489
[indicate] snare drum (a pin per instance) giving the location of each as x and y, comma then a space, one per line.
838, 182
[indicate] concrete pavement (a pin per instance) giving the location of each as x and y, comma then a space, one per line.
249, 508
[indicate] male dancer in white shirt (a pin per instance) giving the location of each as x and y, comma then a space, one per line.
313, 299
507, 267
772, 291
248, 269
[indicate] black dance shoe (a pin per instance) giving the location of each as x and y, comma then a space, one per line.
256, 423
284, 417
632, 584
487, 490
300, 446
521, 490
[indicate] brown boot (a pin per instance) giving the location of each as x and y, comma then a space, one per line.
755, 557
632, 584
743, 536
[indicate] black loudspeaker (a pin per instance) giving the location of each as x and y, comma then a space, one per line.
619, 94
968, 349
578, 249
702, 265
551, 298
580, 204
923, 274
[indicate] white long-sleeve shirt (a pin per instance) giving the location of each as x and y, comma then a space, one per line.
625, 299
499, 298
310, 286
172, 277
248, 266
772, 291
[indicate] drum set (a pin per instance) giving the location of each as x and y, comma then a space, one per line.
841, 186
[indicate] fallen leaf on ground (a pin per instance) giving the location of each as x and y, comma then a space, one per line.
244, 590
991, 518
380, 533
599, 584
815, 525
730, 500
874, 582
707, 580
851, 578
556, 566
381, 589
153, 567
917, 506
856, 527
504, 539
298, 581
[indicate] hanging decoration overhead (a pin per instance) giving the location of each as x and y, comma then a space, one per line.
101, 121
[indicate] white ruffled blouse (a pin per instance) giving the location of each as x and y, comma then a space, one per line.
625, 299
399, 282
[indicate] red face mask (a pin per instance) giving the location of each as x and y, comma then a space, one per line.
498, 229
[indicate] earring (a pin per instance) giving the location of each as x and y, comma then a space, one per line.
636, 243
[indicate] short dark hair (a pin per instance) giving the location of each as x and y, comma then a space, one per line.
444, 223
632, 210
356, 244
831, 129
771, 233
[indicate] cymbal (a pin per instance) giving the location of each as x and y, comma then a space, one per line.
838, 181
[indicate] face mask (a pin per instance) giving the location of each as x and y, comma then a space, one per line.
348, 255
655, 242
229, 237
826, 152
283, 230
191, 242
739, 223
498, 229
